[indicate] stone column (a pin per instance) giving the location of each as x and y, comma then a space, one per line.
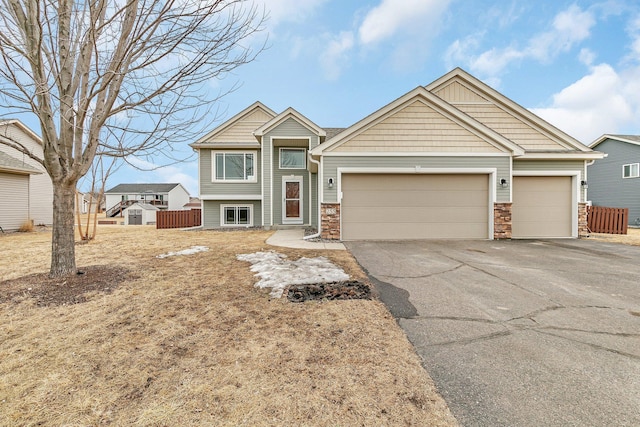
502, 220
583, 227
330, 221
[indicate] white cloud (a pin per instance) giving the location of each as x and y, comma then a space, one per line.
281, 11
394, 16
336, 56
603, 101
569, 27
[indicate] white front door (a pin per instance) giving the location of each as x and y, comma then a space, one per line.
292, 200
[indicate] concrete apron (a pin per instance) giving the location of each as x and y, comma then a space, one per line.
519, 333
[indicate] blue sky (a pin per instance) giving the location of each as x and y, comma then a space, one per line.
574, 63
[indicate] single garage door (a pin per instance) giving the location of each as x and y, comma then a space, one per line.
542, 207
415, 206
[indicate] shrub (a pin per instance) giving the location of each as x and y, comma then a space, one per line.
26, 226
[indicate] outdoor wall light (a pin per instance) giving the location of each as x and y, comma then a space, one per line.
330, 182
504, 183
584, 184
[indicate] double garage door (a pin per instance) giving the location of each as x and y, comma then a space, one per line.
415, 206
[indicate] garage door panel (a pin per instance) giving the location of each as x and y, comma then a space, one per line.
382, 207
542, 207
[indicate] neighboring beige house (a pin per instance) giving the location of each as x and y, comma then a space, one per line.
453, 159
25, 186
171, 197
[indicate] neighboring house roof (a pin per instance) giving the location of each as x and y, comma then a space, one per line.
229, 134
13, 165
142, 188
629, 139
285, 115
194, 202
420, 94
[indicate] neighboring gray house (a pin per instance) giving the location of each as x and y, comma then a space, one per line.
25, 185
164, 196
453, 159
615, 180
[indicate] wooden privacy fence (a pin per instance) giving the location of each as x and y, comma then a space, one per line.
178, 219
607, 220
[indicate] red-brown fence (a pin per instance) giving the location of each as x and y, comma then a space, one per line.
607, 220
178, 219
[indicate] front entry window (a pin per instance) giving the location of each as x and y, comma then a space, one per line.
293, 158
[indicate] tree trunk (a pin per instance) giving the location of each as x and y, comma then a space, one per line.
63, 250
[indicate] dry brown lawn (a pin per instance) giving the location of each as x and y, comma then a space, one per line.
189, 341
631, 238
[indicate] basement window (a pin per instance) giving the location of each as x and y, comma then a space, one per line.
631, 170
234, 216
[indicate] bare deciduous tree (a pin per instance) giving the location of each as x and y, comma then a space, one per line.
90, 68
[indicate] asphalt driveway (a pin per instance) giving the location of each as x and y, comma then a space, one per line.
519, 333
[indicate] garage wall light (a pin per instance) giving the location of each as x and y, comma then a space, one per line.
584, 184
504, 183
330, 182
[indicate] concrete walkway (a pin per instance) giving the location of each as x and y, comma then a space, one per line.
293, 238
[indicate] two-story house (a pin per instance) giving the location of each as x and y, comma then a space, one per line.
453, 159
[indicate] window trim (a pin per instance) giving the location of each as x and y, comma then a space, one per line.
235, 206
632, 166
254, 177
304, 156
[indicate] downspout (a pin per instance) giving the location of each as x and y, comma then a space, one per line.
319, 196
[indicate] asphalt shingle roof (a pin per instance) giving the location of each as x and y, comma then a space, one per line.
11, 163
141, 188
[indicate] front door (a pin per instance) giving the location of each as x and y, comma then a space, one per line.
292, 200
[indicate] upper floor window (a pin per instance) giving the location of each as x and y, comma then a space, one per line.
293, 158
234, 166
631, 170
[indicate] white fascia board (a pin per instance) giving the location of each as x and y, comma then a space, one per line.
614, 138
577, 155
230, 197
411, 154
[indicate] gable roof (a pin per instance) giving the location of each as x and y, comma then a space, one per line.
629, 139
209, 140
145, 206
485, 92
142, 188
13, 165
436, 103
287, 114
22, 127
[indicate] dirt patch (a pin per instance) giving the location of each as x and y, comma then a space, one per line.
329, 291
47, 291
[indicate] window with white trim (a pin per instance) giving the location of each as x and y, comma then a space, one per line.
234, 166
631, 170
293, 158
236, 215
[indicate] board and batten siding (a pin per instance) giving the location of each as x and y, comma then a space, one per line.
211, 211
208, 187
289, 133
417, 128
14, 203
606, 185
40, 187
332, 163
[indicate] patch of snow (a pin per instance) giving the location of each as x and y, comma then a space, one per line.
277, 272
190, 251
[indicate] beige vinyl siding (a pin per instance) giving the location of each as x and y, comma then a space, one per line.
331, 163
402, 206
207, 187
456, 92
509, 126
542, 207
211, 211
242, 130
40, 186
417, 128
14, 203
